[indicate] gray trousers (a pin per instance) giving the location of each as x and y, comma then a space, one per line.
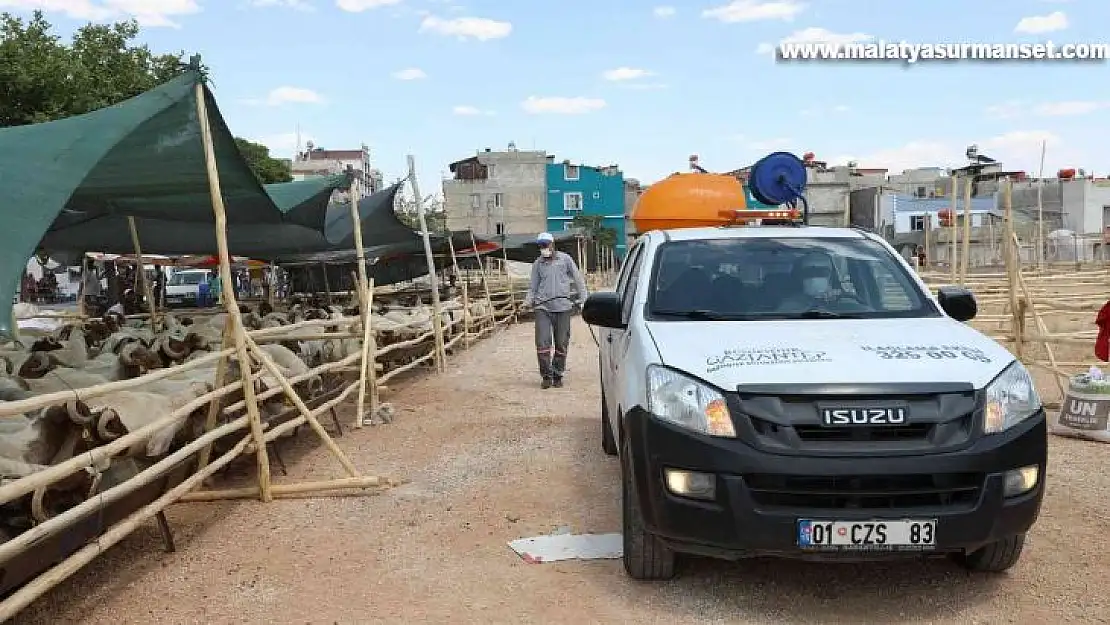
552, 338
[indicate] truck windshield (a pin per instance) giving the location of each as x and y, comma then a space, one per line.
788, 278
185, 278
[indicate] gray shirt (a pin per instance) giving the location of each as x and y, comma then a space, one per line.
552, 281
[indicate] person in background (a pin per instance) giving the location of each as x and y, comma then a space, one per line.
215, 287
554, 275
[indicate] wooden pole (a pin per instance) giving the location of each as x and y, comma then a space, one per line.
482, 268
466, 315
967, 234
509, 280
365, 290
1040, 210
952, 231
928, 239
437, 310
230, 304
368, 370
140, 268
1013, 270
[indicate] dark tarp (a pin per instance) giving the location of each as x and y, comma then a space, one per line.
380, 224
400, 262
305, 202
522, 248
143, 157
264, 241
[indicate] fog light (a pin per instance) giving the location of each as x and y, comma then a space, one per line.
691, 484
1021, 481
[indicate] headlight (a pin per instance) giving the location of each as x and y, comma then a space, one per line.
1011, 399
686, 402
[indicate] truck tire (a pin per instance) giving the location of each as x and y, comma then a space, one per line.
645, 556
608, 443
995, 557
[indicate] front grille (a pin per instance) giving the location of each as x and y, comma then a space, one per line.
877, 492
820, 437
817, 433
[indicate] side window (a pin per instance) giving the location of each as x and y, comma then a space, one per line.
626, 268
628, 292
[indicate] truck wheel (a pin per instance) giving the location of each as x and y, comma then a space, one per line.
645, 556
608, 443
995, 557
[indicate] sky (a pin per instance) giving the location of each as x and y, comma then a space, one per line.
635, 83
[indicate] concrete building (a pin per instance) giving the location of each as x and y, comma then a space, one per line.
633, 189
317, 162
498, 192
574, 190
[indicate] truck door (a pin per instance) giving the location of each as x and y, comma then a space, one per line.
619, 340
607, 335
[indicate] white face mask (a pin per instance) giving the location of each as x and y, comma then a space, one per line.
815, 286
546, 252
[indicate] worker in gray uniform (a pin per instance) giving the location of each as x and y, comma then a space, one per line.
556, 289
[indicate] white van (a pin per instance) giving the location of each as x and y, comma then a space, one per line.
183, 286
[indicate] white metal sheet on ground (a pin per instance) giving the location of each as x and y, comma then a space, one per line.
557, 547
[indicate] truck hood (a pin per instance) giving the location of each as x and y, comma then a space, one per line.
850, 351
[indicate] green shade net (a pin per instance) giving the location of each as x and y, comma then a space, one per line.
143, 157
306, 202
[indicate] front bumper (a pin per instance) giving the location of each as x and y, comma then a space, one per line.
760, 496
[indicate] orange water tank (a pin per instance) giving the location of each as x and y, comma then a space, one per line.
688, 201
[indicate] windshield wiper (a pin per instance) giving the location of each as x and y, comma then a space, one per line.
699, 314
825, 314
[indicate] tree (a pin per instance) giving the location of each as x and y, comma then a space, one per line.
601, 235
267, 169
434, 213
43, 78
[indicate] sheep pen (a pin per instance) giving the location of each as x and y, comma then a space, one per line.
109, 415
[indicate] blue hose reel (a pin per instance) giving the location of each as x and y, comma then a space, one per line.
780, 178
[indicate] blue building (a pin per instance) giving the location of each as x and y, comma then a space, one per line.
574, 190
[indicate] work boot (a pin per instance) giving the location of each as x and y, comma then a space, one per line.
546, 383
557, 382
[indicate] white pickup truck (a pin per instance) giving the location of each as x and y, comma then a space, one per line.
797, 391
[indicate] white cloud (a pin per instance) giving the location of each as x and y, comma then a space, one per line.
288, 95
149, 13
1006, 110
1061, 109
479, 28
358, 6
1016, 150
816, 35
1037, 24
562, 106
298, 5
646, 86
755, 11
469, 111
663, 12
412, 73
625, 73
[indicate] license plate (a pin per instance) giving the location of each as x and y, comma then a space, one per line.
876, 535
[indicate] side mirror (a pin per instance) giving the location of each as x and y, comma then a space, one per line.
603, 309
957, 302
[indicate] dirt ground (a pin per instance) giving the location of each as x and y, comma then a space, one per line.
492, 458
